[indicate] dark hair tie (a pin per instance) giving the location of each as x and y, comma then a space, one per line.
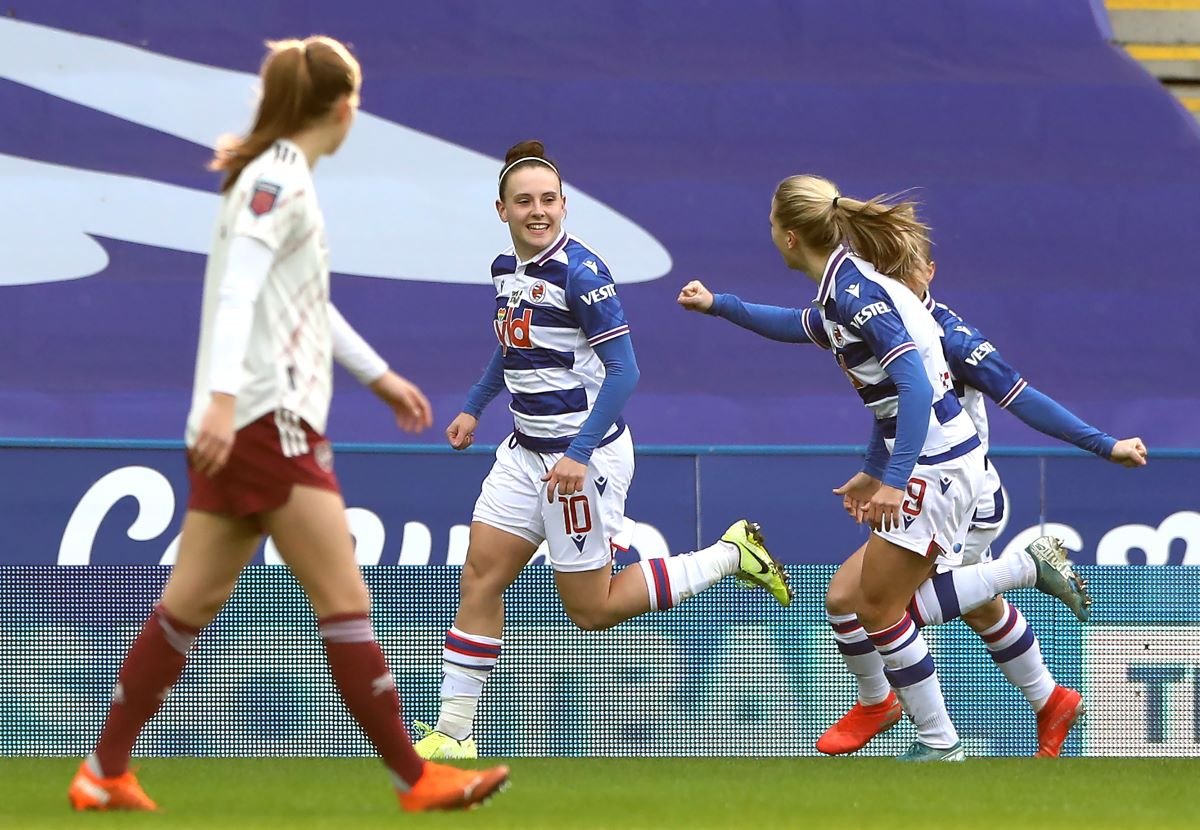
835, 201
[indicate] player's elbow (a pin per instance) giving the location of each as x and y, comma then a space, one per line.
635, 374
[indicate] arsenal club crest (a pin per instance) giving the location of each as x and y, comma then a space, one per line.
262, 199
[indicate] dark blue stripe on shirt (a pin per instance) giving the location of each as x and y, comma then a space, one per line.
553, 272
856, 354
504, 264
550, 403
876, 392
553, 318
944, 409
518, 359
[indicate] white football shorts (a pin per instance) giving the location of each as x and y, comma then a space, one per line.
579, 529
938, 506
988, 520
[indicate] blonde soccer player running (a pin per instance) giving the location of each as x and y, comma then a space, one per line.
926, 466
978, 371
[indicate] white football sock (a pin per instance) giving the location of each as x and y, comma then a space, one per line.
860, 657
674, 579
467, 659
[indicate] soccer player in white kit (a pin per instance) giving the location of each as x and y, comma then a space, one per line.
258, 461
975, 365
565, 356
925, 472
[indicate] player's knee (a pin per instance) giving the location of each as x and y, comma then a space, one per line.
480, 583
840, 599
877, 608
590, 619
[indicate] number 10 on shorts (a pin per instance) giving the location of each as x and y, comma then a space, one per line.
577, 514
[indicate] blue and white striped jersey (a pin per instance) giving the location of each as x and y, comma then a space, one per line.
976, 368
550, 311
869, 320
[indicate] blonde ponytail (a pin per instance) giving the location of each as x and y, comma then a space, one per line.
884, 230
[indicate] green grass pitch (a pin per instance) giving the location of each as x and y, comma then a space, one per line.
624, 794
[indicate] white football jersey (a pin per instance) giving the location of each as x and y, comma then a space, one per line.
289, 357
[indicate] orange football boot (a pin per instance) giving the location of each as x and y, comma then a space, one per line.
1063, 708
858, 726
442, 787
90, 792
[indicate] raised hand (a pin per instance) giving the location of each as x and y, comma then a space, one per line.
695, 297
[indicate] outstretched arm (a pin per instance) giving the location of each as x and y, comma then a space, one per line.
975, 361
1047, 416
787, 325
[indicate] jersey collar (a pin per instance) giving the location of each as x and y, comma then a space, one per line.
829, 275
546, 254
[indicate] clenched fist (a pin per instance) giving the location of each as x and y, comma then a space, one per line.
695, 297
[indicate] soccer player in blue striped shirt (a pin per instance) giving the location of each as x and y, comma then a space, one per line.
565, 356
925, 467
977, 369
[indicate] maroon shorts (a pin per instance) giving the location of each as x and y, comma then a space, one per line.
259, 475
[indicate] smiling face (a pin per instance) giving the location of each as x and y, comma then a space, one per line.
533, 207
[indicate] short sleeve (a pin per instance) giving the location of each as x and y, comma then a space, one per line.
593, 301
866, 308
267, 210
975, 361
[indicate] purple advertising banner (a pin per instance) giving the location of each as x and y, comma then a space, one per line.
1058, 227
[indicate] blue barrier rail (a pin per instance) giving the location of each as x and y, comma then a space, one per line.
800, 450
